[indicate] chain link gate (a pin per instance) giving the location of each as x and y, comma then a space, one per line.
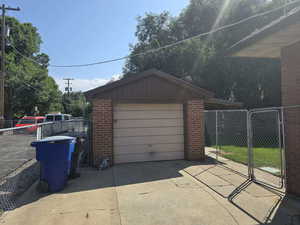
249, 142
266, 146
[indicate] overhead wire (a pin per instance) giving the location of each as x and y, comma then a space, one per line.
168, 45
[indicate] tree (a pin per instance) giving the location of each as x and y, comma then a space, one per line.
75, 104
256, 83
29, 83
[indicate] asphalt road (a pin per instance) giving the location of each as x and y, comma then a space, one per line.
14, 151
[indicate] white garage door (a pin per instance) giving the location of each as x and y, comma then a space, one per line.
148, 132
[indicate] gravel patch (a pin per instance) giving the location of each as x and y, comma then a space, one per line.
17, 183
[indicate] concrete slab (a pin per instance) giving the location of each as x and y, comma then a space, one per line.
219, 170
85, 201
166, 202
212, 180
196, 169
260, 209
224, 191
157, 193
234, 179
258, 191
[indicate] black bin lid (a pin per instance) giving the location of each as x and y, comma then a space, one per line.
54, 139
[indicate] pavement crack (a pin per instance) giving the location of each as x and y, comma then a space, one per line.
144, 193
78, 211
116, 194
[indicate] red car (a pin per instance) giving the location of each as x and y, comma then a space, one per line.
30, 120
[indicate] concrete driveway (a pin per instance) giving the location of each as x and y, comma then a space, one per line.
169, 193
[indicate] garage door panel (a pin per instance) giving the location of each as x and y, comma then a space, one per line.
133, 132
148, 123
168, 139
148, 132
146, 107
148, 114
136, 149
148, 157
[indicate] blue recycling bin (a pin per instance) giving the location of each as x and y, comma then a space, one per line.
54, 154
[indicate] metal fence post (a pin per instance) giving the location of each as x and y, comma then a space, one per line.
280, 147
217, 134
250, 146
39, 133
283, 148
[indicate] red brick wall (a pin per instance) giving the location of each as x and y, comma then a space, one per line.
102, 130
290, 88
194, 130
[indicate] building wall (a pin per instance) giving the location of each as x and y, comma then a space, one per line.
194, 137
103, 130
290, 87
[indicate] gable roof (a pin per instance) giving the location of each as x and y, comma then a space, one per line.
152, 72
268, 41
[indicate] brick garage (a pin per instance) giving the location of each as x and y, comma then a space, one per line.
281, 40
149, 116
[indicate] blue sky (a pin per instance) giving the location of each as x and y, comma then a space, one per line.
76, 32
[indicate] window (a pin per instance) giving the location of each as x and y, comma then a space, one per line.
49, 118
27, 121
40, 120
58, 118
67, 117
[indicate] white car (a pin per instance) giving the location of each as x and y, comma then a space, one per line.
61, 123
57, 117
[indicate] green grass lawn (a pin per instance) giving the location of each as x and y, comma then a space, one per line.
263, 157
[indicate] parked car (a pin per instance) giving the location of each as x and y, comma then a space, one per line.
30, 120
60, 124
53, 117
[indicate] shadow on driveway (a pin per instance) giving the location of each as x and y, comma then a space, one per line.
200, 191
119, 175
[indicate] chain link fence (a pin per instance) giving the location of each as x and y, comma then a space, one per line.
226, 138
253, 142
265, 141
18, 167
8, 123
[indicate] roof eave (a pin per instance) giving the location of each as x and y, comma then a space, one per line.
269, 29
97, 91
215, 103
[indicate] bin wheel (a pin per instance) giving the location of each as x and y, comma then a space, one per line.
43, 187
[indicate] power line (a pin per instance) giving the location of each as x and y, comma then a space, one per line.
168, 45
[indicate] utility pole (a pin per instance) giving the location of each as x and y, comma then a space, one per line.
68, 88
2, 76
284, 9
